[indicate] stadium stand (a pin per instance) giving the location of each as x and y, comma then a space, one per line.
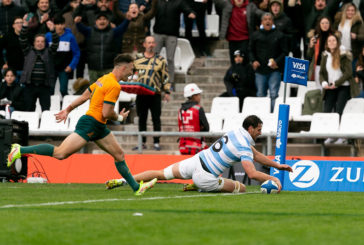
232, 121
256, 105
326, 123
32, 117
48, 122
354, 105
350, 121
225, 106
215, 122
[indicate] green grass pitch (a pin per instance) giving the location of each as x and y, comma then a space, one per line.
89, 214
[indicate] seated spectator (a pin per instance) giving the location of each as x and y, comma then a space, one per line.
100, 40
67, 55
192, 118
14, 57
134, 36
336, 78
316, 46
38, 73
239, 79
11, 92
359, 75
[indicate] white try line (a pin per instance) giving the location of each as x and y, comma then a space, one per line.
119, 199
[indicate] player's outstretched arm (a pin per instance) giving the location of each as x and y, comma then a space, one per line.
62, 115
262, 159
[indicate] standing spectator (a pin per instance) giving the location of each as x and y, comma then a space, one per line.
89, 9
336, 78
359, 75
100, 43
124, 5
152, 71
317, 38
315, 9
38, 23
200, 9
267, 51
238, 30
68, 11
11, 92
282, 22
38, 73
9, 10
192, 118
223, 9
293, 9
166, 28
239, 78
67, 55
350, 24
134, 36
13, 54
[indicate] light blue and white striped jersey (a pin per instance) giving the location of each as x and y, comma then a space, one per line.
233, 147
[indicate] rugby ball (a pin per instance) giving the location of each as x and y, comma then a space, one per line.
268, 187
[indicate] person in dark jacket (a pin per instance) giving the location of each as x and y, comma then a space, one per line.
239, 79
192, 118
282, 22
267, 51
11, 92
166, 28
100, 44
10, 43
68, 53
38, 73
9, 10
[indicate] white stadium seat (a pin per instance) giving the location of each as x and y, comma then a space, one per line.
233, 121
32, 117
55, 102
67, 100
326, 123
48, 122
256, 106
352, 123
73, 119
355, 105
215, 122
225, 106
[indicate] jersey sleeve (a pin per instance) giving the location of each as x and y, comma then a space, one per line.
112, 95
246, 154
91, 88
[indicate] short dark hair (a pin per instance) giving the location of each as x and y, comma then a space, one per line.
9, 69
251, 120
123, 59
59, 19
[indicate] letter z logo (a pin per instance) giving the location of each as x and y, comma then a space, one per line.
305, 174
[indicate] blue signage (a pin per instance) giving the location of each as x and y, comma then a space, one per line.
281, 139
311, 175
295, 71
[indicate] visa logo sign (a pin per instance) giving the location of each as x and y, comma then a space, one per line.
299, 66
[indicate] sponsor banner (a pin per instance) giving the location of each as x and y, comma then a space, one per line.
295, 71
312, 175
281, 139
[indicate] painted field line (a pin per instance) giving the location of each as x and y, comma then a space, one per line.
118, 199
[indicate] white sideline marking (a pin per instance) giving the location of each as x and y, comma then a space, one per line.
118, 199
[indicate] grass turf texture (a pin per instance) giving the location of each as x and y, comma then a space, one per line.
287, 218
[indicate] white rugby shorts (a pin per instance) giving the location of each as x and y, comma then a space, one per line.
191, 169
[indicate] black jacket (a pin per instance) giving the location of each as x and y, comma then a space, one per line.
240, 77
264, 45
204, 125
7, 14
13, 93
14, 53
167, 17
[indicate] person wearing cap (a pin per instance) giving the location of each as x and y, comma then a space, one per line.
100, 43
239, 79
191, 118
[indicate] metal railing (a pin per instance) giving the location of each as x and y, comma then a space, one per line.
267, 145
